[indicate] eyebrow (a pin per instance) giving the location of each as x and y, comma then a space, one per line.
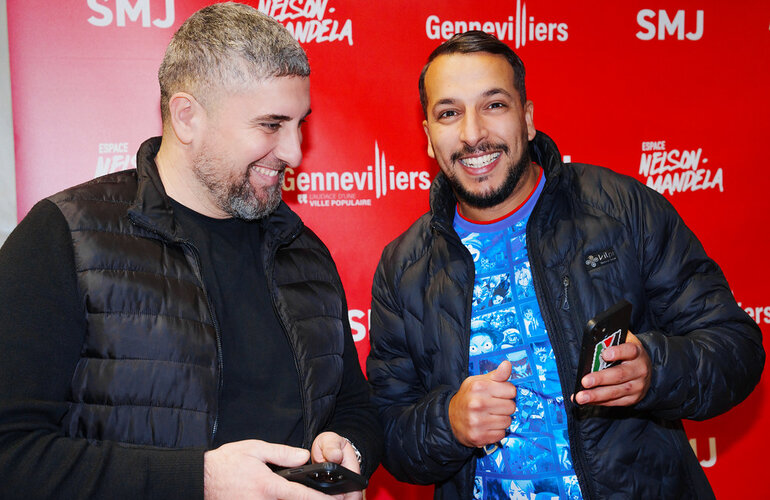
278, 118
496, 91
489, 93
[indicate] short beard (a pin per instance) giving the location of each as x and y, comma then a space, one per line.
498, 196
242, 202
238, 199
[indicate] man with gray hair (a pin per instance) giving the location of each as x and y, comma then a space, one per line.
174, 331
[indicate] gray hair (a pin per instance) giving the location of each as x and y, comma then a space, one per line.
227, 46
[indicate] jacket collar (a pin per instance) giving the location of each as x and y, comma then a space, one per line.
543, 151
152, 207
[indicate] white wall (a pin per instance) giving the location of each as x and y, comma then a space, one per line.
7, 168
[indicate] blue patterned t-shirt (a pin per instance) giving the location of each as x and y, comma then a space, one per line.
533, 460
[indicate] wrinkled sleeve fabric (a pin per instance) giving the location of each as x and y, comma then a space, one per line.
706, 352
42, 327
420, 446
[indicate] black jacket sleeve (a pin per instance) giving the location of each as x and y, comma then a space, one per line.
42, 327
420, 446
706, 352
355, 417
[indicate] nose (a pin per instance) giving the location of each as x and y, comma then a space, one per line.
289, 147
472, 130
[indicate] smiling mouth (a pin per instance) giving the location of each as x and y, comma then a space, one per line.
269, 172
478, 162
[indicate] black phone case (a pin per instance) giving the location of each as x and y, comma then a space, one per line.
604, 330
327, 477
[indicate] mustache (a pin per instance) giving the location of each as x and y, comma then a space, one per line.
484, 147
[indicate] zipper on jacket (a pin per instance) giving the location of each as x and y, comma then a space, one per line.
217, 335
306, 438
577, 449
452, 237
579, 463
199, 274
565, 289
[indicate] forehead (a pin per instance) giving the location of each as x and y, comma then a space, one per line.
463, 76
287, 96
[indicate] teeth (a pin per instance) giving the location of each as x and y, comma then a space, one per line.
480, 161
266, 171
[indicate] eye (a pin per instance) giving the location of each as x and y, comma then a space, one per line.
271, 126
496, 105
447, 114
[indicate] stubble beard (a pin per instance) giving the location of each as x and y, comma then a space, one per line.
490, 199
236, 196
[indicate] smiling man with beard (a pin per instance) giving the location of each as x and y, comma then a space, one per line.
171, 331
505, 204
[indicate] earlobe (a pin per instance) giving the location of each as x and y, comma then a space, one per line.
184, 112
431, 153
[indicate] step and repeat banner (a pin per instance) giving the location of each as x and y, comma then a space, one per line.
671, 92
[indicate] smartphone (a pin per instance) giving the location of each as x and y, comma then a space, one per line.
326, 477
604, 330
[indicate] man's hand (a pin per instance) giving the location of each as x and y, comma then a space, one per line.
237, 470
622, 385
481, 410
331, 447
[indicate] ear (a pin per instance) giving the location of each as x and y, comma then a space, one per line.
186, 114
431, 153
528, 117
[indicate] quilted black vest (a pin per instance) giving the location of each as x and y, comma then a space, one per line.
149, 367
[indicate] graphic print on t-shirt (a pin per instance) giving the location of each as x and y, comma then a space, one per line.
533, 459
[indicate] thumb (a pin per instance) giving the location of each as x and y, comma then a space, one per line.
279, 454
502, 372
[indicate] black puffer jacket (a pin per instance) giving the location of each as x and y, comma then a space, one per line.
150, 318
594, 237
109, 365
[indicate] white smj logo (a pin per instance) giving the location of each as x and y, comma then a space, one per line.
712, 460
125, 9
667, 26
360, 321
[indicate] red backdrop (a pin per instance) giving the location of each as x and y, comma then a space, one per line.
674, 93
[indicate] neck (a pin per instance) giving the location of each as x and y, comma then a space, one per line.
175, 166
520, 194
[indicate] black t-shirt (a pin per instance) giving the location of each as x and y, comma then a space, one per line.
260, 395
